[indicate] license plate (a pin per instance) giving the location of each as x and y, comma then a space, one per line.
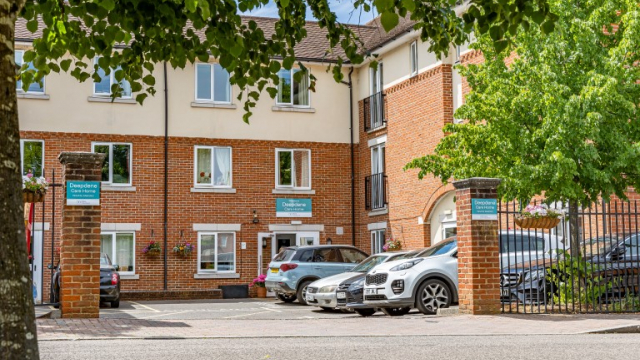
341, 295
372, 291
274, 270
506, 293
310, 297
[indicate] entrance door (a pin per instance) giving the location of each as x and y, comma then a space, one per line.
36, 267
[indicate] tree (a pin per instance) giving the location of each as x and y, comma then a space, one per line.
133, 36
562, 119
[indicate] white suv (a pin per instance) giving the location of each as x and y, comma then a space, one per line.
428, 282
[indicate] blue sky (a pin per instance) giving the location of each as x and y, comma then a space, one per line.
343, 9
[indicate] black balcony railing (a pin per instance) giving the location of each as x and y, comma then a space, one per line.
375, 115
375, 191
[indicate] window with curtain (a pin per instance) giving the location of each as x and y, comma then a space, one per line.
32, 153
103, 87
116, 169
212, 83
120, 246
34, 87
293, 168
216, 252
213, 166
291, 91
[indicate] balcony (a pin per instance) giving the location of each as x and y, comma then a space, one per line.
375, 115
375, 196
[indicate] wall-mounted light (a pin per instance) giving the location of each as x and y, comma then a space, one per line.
329, 241
264, 242
255, 217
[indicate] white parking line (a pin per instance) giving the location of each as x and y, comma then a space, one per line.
271, 309
241, 315
166, 314
144, 306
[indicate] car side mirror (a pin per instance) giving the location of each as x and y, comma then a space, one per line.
455, 255
618, 252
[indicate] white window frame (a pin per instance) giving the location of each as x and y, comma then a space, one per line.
235, 253
19, 89
22, 141
278, 186
113, 249
110, 144
413, 58
375, 236
212, 87
195, 166
448, 225
379, 159
112, 80
376, 79
290, 103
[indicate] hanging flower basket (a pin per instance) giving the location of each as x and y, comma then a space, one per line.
539, 217
153, 249
32, 197
546, 222
392, 245
183, 249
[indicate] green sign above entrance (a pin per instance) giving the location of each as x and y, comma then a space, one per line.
484, 209
83, 193
293, 207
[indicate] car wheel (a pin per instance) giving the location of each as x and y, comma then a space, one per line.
396, 311
287, 298
432, 295
115, 304
302, 292
366, 312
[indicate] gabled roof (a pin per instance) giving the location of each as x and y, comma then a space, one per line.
315, 47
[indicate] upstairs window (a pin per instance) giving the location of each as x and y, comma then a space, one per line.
103, 87
212, 166
212, 84
32, 154
290, 91
34, 87
293, 168
116, 169
413, 53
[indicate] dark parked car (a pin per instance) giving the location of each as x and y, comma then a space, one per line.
614, 259
109, 283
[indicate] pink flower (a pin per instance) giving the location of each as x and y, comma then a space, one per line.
29, 175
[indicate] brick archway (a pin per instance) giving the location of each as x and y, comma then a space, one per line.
432, 202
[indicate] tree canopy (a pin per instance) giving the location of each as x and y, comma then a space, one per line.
562, 118
135, 35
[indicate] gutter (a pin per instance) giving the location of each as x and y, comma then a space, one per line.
166, 173
353, 171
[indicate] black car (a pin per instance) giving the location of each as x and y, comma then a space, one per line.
352, 287
109, 283
613, 260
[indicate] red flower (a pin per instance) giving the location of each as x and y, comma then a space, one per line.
202, 174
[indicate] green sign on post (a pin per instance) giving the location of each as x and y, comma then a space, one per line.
83, 193
293, 207
484, 209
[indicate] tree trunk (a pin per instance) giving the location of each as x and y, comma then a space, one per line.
574, 229
17, 316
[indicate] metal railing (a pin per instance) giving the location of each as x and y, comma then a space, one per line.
375, 115
588, 263
375, 191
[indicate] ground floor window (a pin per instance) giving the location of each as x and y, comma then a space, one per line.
449, 229
216, 252
120, 246
377, 241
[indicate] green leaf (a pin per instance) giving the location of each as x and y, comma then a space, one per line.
284, 3
547, 27
500, 46
389, 20
190, 5
538, 17
149, 80
140, 98
32, 25
274, 66
28, 56
108, 4
65, 64
287, 63
409, 5
495, 32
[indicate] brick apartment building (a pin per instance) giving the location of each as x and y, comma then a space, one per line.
230, 185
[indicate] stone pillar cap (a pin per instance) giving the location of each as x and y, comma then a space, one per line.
477, 183
81, 157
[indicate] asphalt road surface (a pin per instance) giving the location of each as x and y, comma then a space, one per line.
564, 347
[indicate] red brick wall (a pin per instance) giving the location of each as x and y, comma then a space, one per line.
253, 177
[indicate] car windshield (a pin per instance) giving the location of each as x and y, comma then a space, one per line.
439, 248
598, 246
284, 255
514, 242
408, 255
369, 263
104, 260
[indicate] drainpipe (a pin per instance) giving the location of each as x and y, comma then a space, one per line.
166, 171
353, 169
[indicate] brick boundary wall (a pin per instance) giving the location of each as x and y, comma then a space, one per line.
80, 241
478, 250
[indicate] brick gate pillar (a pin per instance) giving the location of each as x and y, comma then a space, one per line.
80, 240
478, 248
